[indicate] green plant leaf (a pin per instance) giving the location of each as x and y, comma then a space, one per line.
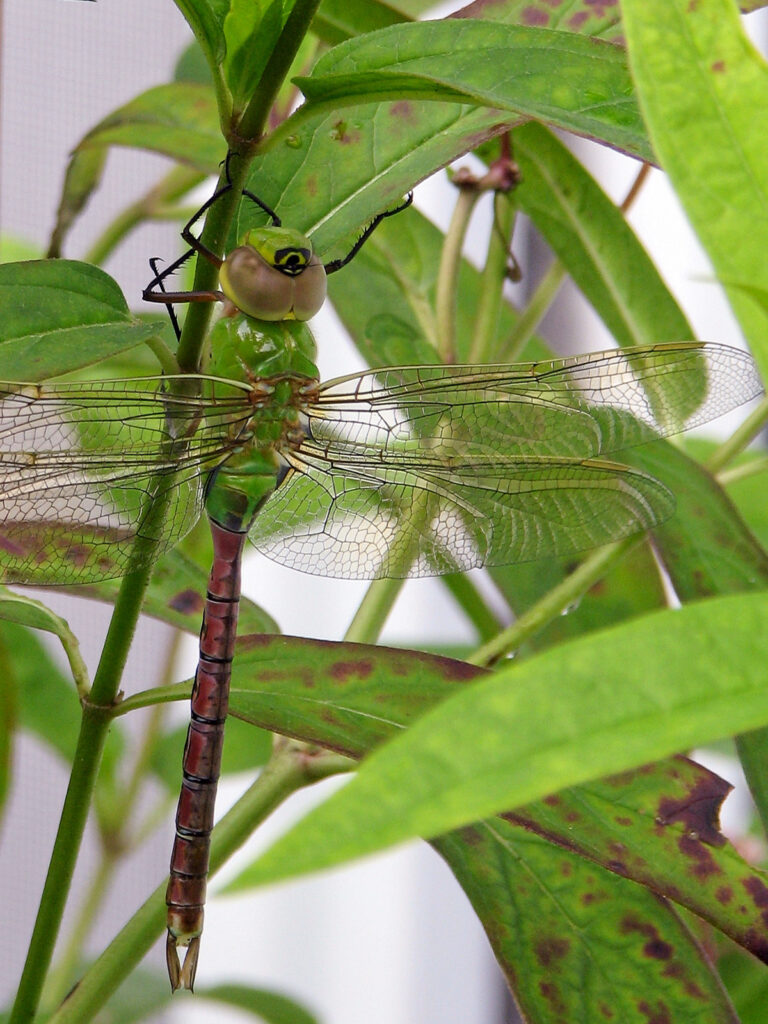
706, 547
338, 20
176, 595
631, 588
748, 495
635, 693
8, 702
591, 237
348, 697
17, 250
699, 82
560, 78
27, 612
192, 66
747, 983
270, 1007
206, 19
60, 315
663, 817
577, 943
251, 30
145, 996
178, 120
47, 702
81, 179
660, 826
373, 153
600, 21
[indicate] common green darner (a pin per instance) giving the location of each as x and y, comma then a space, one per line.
403, 471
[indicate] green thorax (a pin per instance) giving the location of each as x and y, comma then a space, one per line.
277, 360
244, 349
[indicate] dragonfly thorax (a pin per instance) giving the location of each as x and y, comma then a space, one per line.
274, 275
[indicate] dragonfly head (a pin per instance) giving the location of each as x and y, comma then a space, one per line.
274, 275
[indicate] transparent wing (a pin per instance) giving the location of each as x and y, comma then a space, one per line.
426, 470
82, 465
624, 398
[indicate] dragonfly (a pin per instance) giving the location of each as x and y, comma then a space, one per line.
394, 472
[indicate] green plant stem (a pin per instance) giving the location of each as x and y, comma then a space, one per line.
61, 977
290, 769
492, 286
554, 603
176, 183
254, 117
118, 833
154, 695
740, 438
372, 613
743, 471
213, 236
97, 715
448, 274
534, 312
472, 603
149, 737
163, 354
752, 748
243, 134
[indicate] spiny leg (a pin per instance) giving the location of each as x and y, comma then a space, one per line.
276, 222
158, 281
334, 265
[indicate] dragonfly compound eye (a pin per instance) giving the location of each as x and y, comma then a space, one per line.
265, 291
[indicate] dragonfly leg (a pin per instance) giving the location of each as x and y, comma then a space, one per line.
334, 265
158, 282
276, 222
156, 291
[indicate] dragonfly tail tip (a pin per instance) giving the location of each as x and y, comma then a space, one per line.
181, 976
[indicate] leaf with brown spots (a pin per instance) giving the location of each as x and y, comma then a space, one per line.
560, 78
659, 826
394, 137
598, 18
635, 693
176, 596
349, 697
382, 151
577, 943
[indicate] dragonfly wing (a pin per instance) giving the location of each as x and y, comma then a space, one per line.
365, 519
424, 470
578, 407
81, 466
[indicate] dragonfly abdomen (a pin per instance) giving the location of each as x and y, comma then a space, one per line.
185, 896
